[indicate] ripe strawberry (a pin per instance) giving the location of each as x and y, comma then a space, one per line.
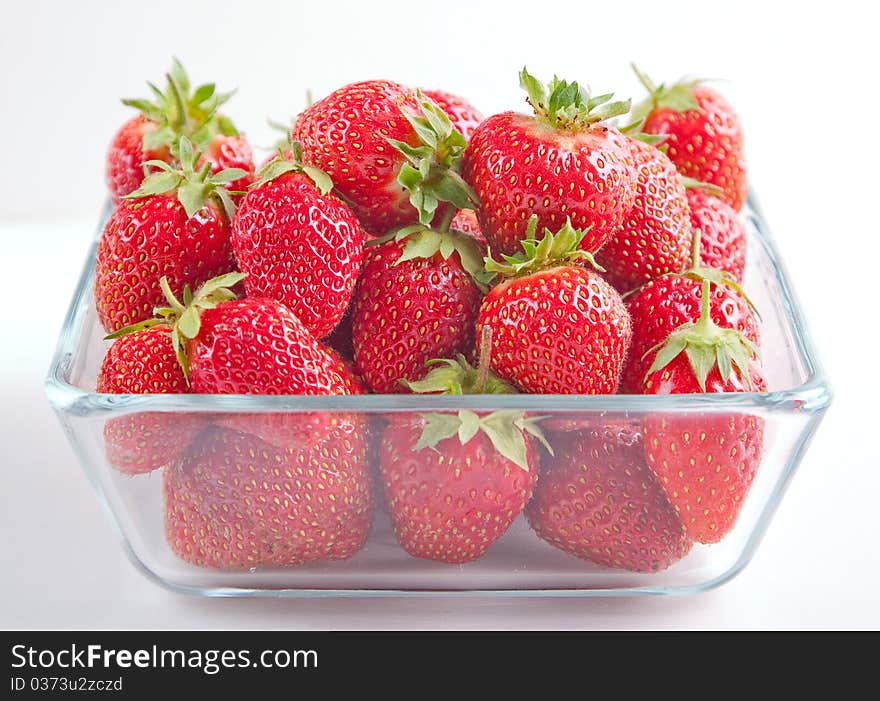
296, 430
153, 134
722, 233
453, 501
705, 461
127, 154
463, 115
662, 305
655, 237
416, 300
392, 154
298, 243
235, 503
143, 362
704, 138
176, 226
563, 163
597, 500
255, 346
557, 327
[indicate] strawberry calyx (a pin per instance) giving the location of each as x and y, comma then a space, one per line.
505, 429
289, 160
184, 316
458, 376
678, 97
180, 110
193, 188
553, 250
431, 174
425, 242
569, 106
707, 346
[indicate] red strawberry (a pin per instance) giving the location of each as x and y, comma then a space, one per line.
557, 327
722, 233
455, 482
415, 300
251, 346
296, 430
705, 461
230, 152
235, 503
255, 346
299, 244
391, 153
597, 500
662, 305
152, 135
176, 226
704, 137
655, 237
128, 153
143, 362
563, 163
463, 115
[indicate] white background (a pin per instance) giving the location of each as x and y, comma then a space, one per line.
801, 77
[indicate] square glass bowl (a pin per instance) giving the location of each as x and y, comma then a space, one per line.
206, 497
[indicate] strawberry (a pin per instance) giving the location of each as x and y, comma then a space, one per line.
455, 482
655, 237
255, 346
234, 502
705, 461
452, 501
298, 243
723, 235
391, 153
704, 138
463, 115
153, 134
598, 500
562, 163
127, 154
142, 361
557, 327
176, 225
662, 305
417, 299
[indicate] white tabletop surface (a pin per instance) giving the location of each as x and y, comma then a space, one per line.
818, 566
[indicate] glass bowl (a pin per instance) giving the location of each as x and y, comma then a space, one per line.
517, 563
